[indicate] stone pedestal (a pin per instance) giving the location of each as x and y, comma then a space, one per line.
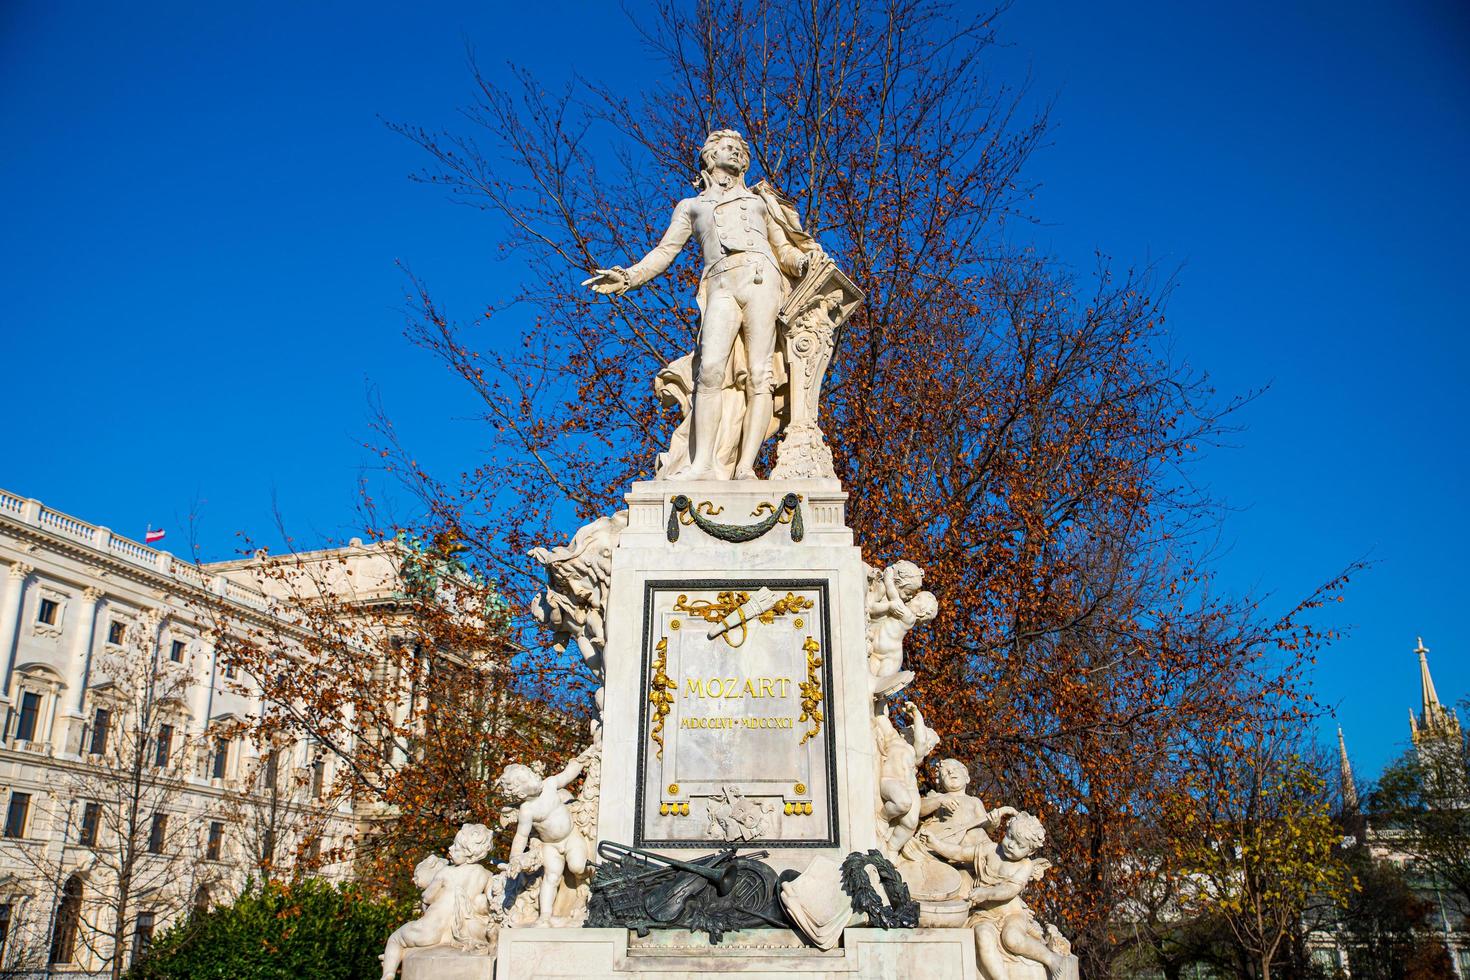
760, 954
737, 713
448, 963
704, 739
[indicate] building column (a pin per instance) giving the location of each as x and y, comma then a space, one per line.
202, 667
15, 585
78, 672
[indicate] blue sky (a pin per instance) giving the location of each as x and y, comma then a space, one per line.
203, 211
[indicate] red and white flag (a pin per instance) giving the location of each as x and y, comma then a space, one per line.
150, 535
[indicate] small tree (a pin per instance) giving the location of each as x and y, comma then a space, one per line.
282, 812
393, 661
1255, 843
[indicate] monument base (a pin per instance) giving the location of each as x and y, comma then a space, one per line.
759, 954
447, 963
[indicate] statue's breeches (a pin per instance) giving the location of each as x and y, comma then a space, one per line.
742, 294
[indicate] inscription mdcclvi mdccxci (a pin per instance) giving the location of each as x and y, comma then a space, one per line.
736, 743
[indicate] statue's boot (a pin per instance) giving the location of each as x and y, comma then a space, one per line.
757, 421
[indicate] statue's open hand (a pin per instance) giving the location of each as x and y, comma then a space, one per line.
608, 282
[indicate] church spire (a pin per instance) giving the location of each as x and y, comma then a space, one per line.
1435, 719
1426, 683
1345, 771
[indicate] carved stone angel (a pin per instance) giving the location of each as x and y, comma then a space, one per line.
895, 605
553, 831
899, 755
573, 605
460, 898
1007, 932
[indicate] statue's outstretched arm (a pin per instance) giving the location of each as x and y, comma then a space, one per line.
681, 226
571, 771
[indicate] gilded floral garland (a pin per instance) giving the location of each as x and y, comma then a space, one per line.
659, 688
811, 689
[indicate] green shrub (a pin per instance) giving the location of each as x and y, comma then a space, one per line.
307, 929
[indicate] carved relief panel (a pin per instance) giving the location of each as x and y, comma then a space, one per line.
736, 742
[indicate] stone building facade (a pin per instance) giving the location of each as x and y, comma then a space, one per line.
94, 629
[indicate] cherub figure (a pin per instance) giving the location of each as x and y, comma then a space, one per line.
573, 605
543, 811
951, 813
455, 899
895, 605
1006, 930
900, 754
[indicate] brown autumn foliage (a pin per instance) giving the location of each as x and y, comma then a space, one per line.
395, 662
1009, 425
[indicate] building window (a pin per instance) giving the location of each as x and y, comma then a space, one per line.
165, 742
156, 833
30, 711
313, 850
68, 916
16, 813
215, 841
230, 671
201, 900
101, 725
221, 758
6, 911
176, 651
318, 778
91, 817
47, 610
142, 935
272, 771
115, 631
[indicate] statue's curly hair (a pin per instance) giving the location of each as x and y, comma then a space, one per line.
713, 140
517, 780
1026, 830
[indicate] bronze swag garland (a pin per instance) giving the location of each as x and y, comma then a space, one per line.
788, 511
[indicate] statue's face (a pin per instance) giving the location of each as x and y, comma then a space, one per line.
729, 154
953, 779
1015, 850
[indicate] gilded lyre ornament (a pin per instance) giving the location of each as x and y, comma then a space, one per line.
732, 602
811, 689
659, 695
